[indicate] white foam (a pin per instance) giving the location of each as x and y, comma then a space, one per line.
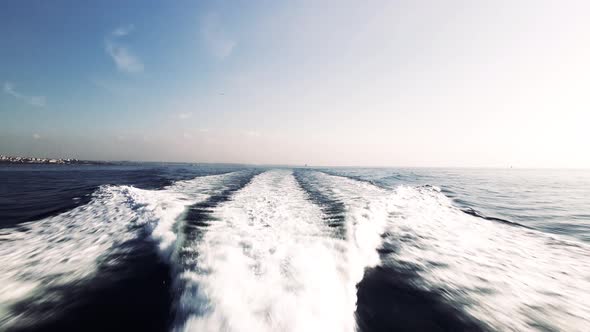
268, 263
366, 217
508, 277
175, 199
63, 249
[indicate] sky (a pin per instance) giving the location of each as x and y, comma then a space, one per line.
332, 83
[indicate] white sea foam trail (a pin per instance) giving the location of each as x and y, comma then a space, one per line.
509, 278
366, 208
41, 256
268, 262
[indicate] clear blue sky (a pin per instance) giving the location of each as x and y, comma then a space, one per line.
384, 83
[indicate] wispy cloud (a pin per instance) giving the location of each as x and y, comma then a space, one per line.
123, 30
36, 136
214, 38
185, 115
124, 58
37, 101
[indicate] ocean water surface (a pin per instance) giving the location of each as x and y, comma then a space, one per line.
181, 247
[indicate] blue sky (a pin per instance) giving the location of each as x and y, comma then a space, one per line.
61, 50
384, 83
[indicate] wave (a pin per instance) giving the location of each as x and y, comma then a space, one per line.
333, 209
40, 258
507, 278
305, 250
476, 213
41, 255
359, 178
267, 262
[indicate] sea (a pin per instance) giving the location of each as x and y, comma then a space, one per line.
205, 247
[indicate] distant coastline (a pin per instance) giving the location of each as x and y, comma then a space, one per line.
53, 161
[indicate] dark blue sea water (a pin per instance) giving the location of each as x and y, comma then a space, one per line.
158, 247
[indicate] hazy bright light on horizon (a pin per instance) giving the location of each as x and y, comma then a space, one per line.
374, 83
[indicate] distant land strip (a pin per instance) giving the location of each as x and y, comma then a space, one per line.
35, 160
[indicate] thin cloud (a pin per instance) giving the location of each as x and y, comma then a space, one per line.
37, 101
214, 38
123, 30
36, 136
185, 115
124, 58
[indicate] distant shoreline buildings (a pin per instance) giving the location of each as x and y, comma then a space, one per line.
34, 160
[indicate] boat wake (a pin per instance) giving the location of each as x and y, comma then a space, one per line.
301, 250
43, 258
465, 272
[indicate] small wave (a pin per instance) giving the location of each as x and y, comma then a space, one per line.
475, 213
40, 258
333, 209
366, 213
267, 262
42, 255
375, 183
283, 251
506, 278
